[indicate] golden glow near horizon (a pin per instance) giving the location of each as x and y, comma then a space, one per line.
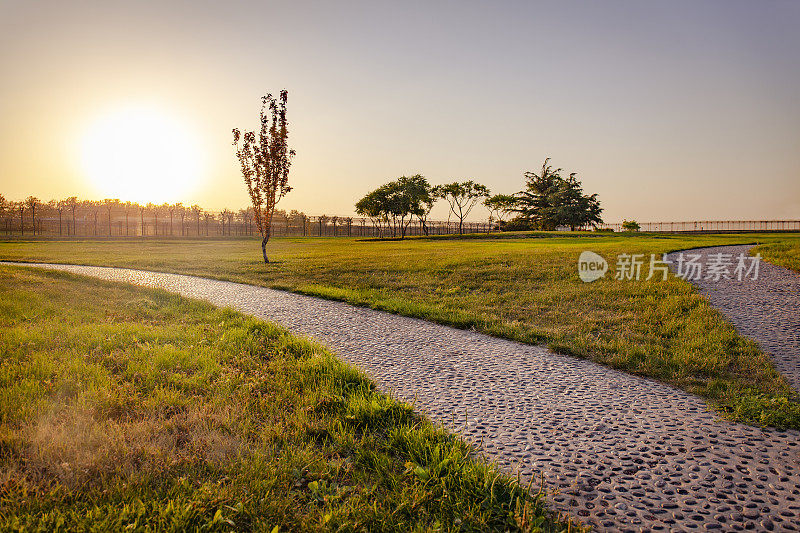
143, 155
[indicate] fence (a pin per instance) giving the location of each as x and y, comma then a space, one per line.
713, 226
98, 225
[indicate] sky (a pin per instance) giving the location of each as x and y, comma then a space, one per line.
678, 110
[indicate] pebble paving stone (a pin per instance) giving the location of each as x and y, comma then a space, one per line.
766, 309
619, 452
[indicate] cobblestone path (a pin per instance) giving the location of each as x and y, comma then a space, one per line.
766, 309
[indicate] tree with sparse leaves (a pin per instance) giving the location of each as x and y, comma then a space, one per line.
500, 206
31, 202
462, 197
265, 160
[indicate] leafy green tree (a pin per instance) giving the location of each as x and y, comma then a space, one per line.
550, 200
265, 161
462, 197
630, 225
500, 206
421, 197
394, 204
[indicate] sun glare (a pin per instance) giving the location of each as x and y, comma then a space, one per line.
142, 155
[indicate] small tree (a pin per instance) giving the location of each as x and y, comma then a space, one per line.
630, 225
21, 207
197, 211
226, 216
500, 206
110, 205
58, 207
207, 217
72, 204
31, 202
462, 197
178, 208
4, 206
397, 202
265, 163
244, 216
127, 207
421, 197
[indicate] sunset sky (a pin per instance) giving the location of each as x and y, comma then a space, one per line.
668, 110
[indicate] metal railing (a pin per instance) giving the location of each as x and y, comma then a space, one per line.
712, 226
98, 225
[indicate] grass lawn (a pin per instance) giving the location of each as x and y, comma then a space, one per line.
785, 253
524, 289
123, 408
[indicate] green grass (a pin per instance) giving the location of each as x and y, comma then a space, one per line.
785, 254
123, 408
522, 287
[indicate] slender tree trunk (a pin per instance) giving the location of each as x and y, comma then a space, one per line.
59, 223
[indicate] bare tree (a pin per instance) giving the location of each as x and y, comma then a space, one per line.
265, 163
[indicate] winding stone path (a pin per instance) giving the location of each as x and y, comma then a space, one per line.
619, 452
766, 309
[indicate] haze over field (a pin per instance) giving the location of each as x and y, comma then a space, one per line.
683, 110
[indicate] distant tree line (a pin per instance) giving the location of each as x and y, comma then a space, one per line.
548, 201
113, 217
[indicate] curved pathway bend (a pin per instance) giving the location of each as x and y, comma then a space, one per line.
620, 452
766, 309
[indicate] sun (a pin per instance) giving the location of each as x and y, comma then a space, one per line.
142, 155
